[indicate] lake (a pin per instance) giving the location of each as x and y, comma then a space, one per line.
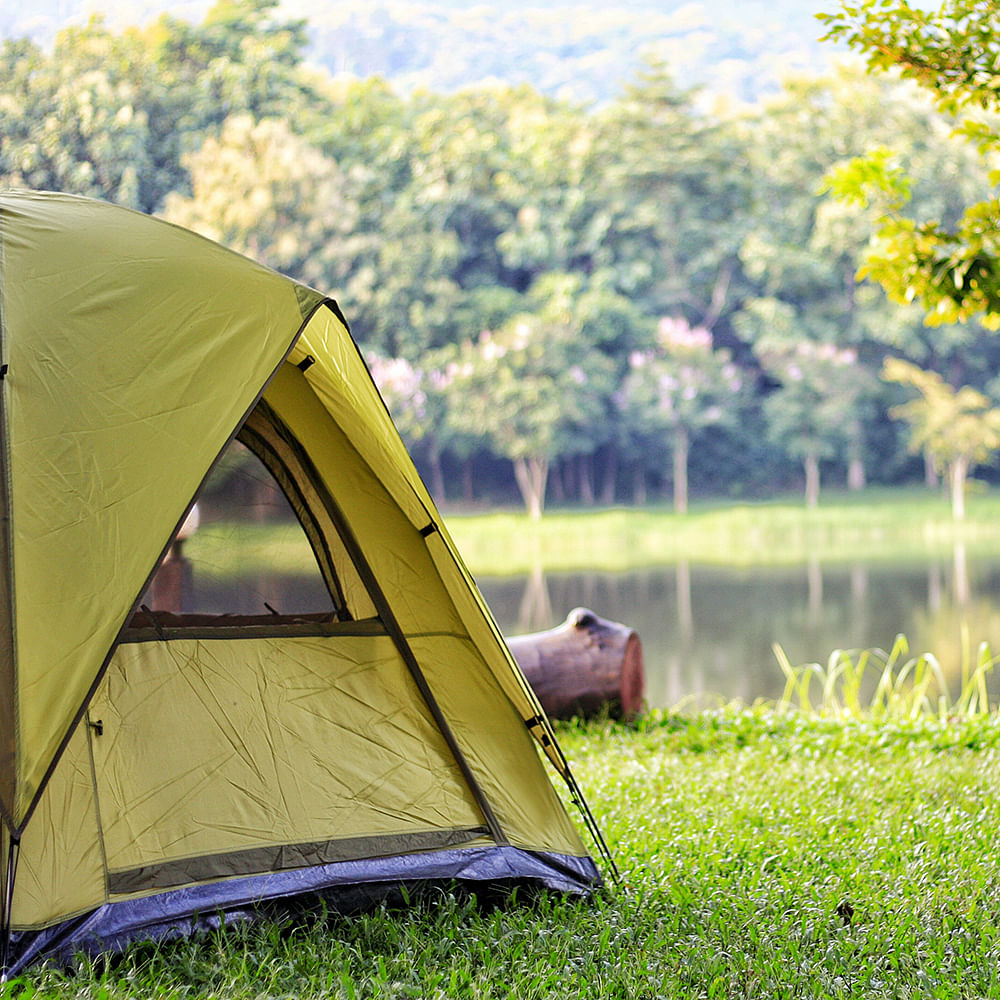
709, 630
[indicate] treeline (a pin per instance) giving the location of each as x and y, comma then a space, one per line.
609, 301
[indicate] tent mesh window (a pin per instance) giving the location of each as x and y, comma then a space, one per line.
250, 552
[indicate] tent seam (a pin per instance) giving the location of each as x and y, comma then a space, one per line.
97, 808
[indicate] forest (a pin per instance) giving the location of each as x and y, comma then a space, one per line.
575, 303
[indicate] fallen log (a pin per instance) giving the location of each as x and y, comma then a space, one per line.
583, 665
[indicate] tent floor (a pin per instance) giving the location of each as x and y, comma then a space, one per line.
344, 886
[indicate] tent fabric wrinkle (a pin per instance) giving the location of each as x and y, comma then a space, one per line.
201, 721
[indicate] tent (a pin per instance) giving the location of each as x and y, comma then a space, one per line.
161, 765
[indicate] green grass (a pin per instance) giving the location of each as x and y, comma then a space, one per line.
890, 525
767, 853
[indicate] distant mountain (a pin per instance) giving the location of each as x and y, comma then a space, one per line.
581, 51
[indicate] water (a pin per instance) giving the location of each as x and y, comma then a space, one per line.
709, 631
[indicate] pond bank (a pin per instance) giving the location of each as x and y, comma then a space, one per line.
875, 524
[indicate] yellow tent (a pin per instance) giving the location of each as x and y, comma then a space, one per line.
159, 760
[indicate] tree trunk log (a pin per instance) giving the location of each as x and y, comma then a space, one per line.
582, 666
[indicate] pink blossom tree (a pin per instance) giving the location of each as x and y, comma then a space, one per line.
676, 388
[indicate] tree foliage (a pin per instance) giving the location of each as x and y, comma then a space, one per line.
951, 266
675, 389
959, 428
570, 300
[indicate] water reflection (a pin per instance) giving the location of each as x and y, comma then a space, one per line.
535, 611
709, 630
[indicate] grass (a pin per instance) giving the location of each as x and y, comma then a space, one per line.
890, 685
768, 852
887, 524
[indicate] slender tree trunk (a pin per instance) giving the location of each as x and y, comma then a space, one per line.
609, 475
532, 474
639, 494
682, 444
856, 478
958, 471
468, 493
931, 480
437, 474
585, 474
811, 463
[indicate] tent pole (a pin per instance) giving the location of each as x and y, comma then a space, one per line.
10, 871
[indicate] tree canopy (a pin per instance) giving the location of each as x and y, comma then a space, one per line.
949, 263
561, 301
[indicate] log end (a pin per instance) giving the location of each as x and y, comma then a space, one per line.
584, 666
633, 679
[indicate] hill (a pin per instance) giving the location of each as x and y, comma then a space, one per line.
580, 51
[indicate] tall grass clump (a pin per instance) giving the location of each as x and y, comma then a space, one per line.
888, 685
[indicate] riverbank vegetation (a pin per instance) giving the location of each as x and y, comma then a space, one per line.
887, 524
897, 525
766, 853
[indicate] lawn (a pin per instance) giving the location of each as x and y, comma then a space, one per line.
872, 525
765, 852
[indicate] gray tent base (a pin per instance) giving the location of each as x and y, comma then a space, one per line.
179, 912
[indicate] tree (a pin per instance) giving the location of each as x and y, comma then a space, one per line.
958, 428
257, 188
676, 389
242, 58
78, 120
417, 398
676, 195
111, 115
811, 413
529, 390
951, 266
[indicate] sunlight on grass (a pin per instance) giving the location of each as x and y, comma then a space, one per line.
894, 526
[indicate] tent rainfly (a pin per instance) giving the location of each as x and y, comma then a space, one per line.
167, 751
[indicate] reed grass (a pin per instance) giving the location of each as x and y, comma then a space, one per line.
883, 685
